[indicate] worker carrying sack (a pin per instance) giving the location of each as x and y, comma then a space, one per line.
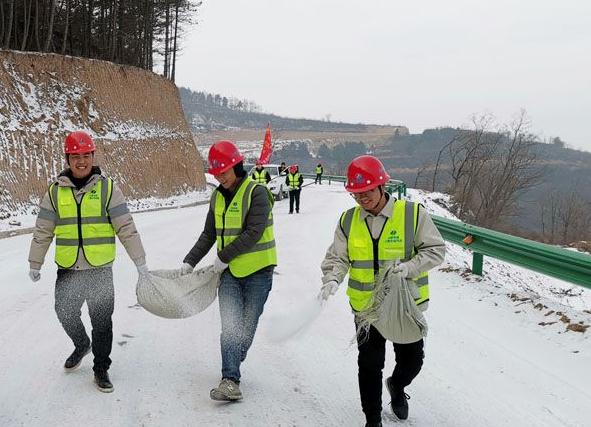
172, 295
393, 311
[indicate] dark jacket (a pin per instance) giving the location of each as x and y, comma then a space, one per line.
300, 181
254, 226
266, 173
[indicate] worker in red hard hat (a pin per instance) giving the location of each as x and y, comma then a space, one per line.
369, 238
294, 181
240, 223
260, 175
85, 210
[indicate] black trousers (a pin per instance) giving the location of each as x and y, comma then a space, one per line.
318, 179
372, 353
95, 286
294, 195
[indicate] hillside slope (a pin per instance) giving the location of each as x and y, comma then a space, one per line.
136, 117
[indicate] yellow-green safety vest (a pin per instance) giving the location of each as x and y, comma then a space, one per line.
229, 224
294, 181
396, 241
85, 225
318, 169
260, 177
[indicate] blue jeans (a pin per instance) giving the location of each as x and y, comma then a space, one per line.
241, 304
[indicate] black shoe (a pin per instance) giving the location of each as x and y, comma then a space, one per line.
399, 402
76, 357
377, 424
291, 212
101, 379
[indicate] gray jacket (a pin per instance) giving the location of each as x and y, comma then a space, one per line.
429, 245
121, 220
254, 226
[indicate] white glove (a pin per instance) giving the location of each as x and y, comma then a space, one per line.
328, 289
35, 275
186, 268
143, 270
219, 265
401, 268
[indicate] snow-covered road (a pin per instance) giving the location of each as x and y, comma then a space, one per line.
488, 362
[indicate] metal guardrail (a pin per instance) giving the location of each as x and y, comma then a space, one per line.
393, 185
571, 266
574, 267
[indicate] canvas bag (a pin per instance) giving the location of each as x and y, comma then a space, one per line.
172, 295
394, 312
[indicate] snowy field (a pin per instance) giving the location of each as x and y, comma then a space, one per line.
489, 361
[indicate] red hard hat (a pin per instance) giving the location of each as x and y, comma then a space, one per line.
222, 156
79, 142
293, 168
365, 173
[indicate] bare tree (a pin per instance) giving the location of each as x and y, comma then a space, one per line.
549, 215
422, 174
490, 167
9, 26
27, 20
50, 28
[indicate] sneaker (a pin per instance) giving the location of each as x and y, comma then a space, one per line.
102, 381
399, 402
228, 390
76, 357
376, 424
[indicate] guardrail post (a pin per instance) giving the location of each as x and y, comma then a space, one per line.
329, 180
477, 261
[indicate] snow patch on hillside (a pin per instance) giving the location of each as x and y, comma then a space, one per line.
71, 107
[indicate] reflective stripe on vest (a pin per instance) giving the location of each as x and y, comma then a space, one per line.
294, 181
229, 224
83, 225
396, 241
260, 177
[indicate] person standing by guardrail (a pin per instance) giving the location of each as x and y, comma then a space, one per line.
319, 171
379, 230
282, 169
260, 175
294, 181
240, 221
84, 210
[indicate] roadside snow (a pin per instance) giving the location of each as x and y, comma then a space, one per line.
488, 361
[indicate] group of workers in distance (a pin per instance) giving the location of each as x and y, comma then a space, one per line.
294, 180
84, 210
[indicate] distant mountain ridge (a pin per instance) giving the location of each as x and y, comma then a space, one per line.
206, 112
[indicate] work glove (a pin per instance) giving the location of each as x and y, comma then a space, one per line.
186, 268
402, 269
328, 289
219, 265
143, 270
34, 274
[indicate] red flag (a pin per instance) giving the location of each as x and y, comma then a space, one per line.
267, 149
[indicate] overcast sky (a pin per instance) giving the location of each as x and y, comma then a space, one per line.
421, 63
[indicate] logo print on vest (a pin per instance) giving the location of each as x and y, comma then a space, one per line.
393, 237
234, 207
93, 195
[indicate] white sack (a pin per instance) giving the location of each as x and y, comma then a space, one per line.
167, 293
